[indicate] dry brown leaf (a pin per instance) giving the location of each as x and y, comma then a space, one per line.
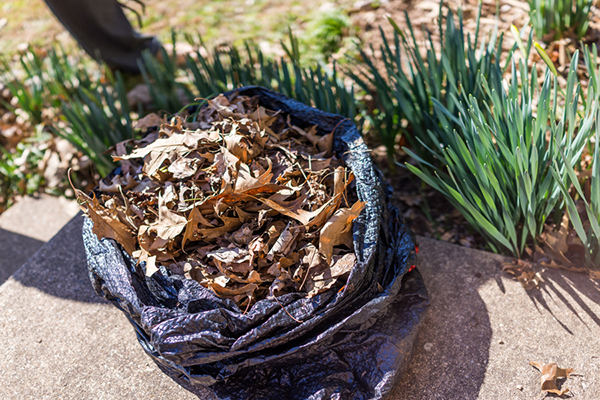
245, 181
167, 148
551, 372
569, 267
245, 216
325, 144
312, 258
311, 135
235, 199
242, 236
319, 286
556, 245
338, 229
239, 146
229, 224
557, 239
196, 218
221, 105
230, 255
168, 227
264, 119
594, 274
221, 291
149, 121
184, 168
306, 218
151, 267
232, 260
117, 183
523, 272
284, 242
105, 224
341, 265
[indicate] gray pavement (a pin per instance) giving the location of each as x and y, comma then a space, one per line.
483, 329
27, 225
60, 341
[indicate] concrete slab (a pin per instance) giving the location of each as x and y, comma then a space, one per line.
61, 341
27, 225
483, 329
40, 217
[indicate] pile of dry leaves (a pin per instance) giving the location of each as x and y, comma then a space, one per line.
235, 197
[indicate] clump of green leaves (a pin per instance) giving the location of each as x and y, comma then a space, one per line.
410, 82
98, 118
325, 32
161, 78
228, 67
43, 82
28, 90
498, 162
588, 226
586, 222
19, 173
555, 19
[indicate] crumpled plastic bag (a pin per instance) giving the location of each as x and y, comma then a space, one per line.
349, 344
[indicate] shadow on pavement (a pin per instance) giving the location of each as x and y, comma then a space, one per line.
59, 267
567, 287
15, 250
452, 350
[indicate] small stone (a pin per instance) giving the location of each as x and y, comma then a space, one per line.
363, 5
8, 117
500, 341
428, 346
505, 8
21, 119
84, 162
520, 387
23, 47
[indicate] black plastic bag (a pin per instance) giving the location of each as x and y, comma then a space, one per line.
349, 344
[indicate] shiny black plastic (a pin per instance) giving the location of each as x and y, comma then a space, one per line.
352, 343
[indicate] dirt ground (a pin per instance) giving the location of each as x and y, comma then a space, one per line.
24, 21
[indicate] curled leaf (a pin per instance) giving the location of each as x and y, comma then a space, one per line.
338, 229
550, 373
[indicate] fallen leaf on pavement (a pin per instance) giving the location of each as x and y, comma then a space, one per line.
594, 274
550, 373
523, 272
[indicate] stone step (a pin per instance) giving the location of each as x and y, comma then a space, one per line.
61, 341
27, 225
